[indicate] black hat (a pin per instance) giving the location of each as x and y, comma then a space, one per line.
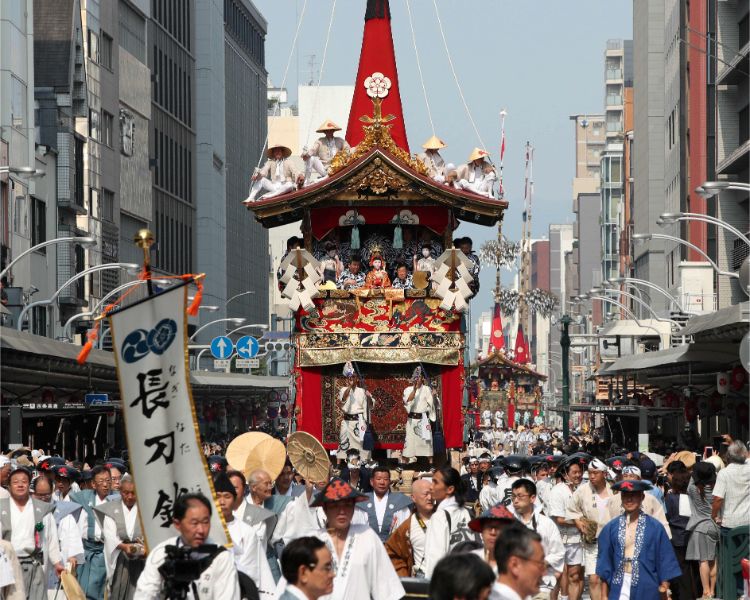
87, 475
617, 463
66, 472
515, 463
50, 462
648, 468
222, 483
217, 464
704, 473
632, 485
337, 490
116, 463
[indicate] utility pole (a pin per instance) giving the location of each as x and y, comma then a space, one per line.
565, 322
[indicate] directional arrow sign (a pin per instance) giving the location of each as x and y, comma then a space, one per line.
222, 347
247, 347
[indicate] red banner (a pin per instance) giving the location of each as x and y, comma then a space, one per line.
324, 220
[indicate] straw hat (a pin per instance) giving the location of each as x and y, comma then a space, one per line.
71, 587
308, 456
269, 455
239, 448
271, 148
434, 143
328, 126
478, 153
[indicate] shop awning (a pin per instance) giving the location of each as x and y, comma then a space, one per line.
699, 358
237, 380
727, 324
641, 328
20, 341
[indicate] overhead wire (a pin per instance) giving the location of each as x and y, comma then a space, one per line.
419, 66
286, 73
455, 76
320, 74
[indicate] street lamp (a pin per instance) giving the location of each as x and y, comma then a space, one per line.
238, 296
648, 284
234, 320
27, 172
670, 218
597, 292
251, 326
644, 237
85, 241
709, 189
53, 299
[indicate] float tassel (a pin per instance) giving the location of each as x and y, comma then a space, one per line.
196, 303
83, 355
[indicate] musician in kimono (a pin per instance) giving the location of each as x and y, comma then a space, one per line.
276, 177
123, 541
330, 265
352, 278
420, 410
318, 158
432, 159
636, 559
354, 400
27, 523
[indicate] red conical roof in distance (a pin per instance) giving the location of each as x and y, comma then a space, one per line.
377, 56
522, 347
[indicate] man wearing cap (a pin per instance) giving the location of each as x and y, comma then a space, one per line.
123, 541
477, 175
405, 546
362, 566
571, 583
27, 523
489, 525
386, 510
275, 177
65, 478
636, 559
248, 549
319, 157
420, 410
588, 509
354, 406
650, 505
92, 575
524, 495
432, 159
117, 469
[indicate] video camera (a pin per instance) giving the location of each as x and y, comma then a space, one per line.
183, 565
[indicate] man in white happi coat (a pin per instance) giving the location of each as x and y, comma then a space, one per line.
123, 541
420, 410
28, 524
477, 175
432, 159
248, 548
318, 158
523, 508
354, 400
218, 579
276, 177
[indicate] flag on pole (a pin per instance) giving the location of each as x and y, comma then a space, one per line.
502, 149
522, 347
150, 347
497, 339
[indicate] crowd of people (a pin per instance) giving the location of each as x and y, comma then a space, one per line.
504, 526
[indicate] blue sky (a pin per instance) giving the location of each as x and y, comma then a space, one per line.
541, 60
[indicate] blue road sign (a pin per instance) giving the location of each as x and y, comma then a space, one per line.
222, 347
247, 347
96, 399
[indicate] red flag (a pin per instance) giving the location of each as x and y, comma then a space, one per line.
497, 339
377, 56
522, 347
511, 415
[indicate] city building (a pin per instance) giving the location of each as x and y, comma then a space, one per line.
539, 333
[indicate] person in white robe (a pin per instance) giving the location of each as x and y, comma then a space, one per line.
354, 400
318, 158
432, 159
276, 177
420, 410
477, 175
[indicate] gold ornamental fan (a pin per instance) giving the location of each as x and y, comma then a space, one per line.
241, 446
71, 587
308, 456
268, 455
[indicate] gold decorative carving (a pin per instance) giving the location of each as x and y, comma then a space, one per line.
377, 180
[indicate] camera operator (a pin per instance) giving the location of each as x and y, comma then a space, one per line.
182, 566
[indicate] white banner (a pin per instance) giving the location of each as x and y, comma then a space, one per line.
150, 348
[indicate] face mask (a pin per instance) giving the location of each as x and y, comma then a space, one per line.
426, 253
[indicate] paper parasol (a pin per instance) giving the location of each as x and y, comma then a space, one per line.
308, 456
241, 446
269, 455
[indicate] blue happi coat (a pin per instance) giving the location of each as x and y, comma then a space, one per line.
654, 558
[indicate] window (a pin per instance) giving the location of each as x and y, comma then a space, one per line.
108, 205
132, 31
107, 129
38, 222
93, 53
79, 171
94, 132
106, 51
17, 103
94, 206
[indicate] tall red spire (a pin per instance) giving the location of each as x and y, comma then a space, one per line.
522, 347
497, 339
377, 56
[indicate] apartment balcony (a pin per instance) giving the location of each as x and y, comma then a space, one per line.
737, 69
737, 162
613, 76
613, 103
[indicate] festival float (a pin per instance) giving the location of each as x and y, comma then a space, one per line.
378, 200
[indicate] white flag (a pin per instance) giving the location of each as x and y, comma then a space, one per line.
150, 348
